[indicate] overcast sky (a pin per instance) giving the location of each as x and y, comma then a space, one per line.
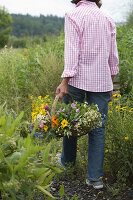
118, 9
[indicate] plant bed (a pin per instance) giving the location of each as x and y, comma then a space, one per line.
74, 188
76, 185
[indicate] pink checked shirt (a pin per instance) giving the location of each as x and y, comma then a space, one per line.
91, 55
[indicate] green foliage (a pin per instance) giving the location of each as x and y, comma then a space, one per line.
27, 25
25, 42
25, 166
30, 72
62, 191
5, 26
130, 19
17, 42
119, 141
125, 48
63, 195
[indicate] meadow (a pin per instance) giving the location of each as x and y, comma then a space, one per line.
35, 71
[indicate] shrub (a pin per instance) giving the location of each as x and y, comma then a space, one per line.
25, 166
130, 19
5, 26
125, 48
119, 141
28, 72
17, 42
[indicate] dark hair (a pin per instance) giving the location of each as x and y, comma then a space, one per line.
76, 1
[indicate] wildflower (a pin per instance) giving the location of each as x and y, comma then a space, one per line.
64, 123
124, 108
117, 95
46, 107
41, 125
131, 110
40, 98
116, 99
110, 103
77, 110
73, 105
42, 112
69, 117
39, 117
126, 138
110, 111
118, 108
46, 97
54, 121
31, 97
33, 115
45, 128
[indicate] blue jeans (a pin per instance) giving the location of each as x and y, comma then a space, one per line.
96, 137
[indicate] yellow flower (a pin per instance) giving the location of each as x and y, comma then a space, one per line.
117, 95
34, 114
124, 108
131, 110
110, 103
46, 97
42, 112
31, 97
118, 108
64, 123
40, 97
45, 128
116, 99
126, 138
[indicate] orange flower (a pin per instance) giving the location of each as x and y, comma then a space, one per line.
54, 121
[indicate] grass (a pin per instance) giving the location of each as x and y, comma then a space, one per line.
36, 71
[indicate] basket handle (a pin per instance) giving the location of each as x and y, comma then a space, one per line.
56, 101
54, 105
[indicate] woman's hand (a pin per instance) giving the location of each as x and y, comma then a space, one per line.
62, 89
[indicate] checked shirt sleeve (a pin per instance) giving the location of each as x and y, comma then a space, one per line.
113, 56
71, 51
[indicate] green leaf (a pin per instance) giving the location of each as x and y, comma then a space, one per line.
46, 153
42, 178
14, 125
45, 191
61, 191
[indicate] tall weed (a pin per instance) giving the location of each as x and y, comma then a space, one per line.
25, 166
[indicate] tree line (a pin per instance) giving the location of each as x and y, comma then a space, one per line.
14, 28
27, 25
17, 27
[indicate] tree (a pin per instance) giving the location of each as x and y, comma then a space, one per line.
130, 19
5, 26
27, 25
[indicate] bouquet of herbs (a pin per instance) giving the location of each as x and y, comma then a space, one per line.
62, 119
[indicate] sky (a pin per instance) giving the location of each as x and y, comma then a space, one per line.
118, 9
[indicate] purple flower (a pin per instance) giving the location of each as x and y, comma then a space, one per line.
41, 125
73, 105
46, 107
77, 110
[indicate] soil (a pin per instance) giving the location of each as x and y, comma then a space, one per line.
75, 185
85, 192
